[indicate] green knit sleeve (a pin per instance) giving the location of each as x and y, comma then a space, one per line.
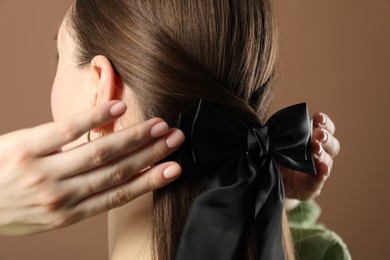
313, 241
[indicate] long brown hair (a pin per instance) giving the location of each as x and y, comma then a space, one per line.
171, 54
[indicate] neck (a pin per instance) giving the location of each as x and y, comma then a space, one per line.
130, 230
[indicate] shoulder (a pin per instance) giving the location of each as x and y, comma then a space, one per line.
312, 240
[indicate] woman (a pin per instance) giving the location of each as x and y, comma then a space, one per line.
161, 57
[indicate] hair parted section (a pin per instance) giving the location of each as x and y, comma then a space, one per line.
171, 53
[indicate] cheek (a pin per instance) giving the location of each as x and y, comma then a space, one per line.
67, 99
57, 108
69, 95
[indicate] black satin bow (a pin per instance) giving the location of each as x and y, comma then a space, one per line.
243, 182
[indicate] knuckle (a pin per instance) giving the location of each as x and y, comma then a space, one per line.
317, 193
136, 137
338, 147
138, 134
90, 186
59, 220
33, 180
152, 184
63, 219
100, 156
69, 131
21, 155
52, 200
330, 165
155, 153
97, 118
119, 175
333, 128
119, 198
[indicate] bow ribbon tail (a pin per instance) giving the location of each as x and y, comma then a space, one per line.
218, 216
268, 212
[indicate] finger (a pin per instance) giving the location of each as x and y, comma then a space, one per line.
143, 183
303, 186
315, 184
322, 120
118, 172
331, 146
94, 154
50, 137
330, 143
322, 159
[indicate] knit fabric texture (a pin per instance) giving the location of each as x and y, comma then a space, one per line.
313, 241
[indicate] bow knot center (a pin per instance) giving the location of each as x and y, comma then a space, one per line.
258, 142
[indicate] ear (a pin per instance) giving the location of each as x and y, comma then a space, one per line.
103, 79
105, 83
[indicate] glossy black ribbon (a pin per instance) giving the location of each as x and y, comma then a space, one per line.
240, 163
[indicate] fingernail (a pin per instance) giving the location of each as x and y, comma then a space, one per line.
319, 152
118, 109
323, 119
159, 129
175, 139
172, 172
324, 137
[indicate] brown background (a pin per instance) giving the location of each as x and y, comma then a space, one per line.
335, 55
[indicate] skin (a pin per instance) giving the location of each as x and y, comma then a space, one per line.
86, 181
130, 226
51, 178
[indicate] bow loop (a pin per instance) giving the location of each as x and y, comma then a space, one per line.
290, 139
